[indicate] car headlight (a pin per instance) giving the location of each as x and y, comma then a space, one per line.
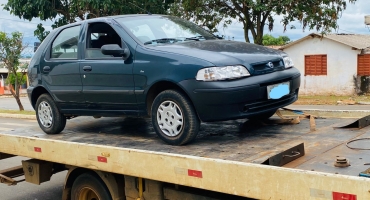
288, 62
222, 73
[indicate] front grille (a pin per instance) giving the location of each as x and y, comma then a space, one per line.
276, 82
266, 104
267, 67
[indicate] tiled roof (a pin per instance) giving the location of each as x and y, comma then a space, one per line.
274, 46
357, 41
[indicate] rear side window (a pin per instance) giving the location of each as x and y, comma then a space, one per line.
65, 44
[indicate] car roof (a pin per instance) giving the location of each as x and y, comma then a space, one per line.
99, 19
133, 15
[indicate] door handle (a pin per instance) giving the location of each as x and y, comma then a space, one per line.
87, 68
46, 69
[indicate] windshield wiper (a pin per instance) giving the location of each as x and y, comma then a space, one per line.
196, 38
162, 40
219, 37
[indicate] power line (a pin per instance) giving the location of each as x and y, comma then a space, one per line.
346, 31
21, 21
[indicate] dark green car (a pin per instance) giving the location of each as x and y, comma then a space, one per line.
158, 66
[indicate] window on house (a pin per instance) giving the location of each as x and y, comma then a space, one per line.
363, 65
315, 65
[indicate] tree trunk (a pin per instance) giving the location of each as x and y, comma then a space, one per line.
15, 94
246, 34
19, 103
259, 38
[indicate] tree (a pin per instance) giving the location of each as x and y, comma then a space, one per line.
68, 11
321, 15
11, 47
269, 40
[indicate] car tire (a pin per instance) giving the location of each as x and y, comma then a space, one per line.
88, 186
174, 118
50, 120
262, 116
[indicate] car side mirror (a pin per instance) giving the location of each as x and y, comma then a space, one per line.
115, 50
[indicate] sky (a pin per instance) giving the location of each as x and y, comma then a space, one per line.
352, 21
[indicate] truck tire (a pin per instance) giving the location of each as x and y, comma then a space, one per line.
174, 118
50, 120
89, 187
262, 116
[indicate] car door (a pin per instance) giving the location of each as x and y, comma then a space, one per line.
60, 69
107, 81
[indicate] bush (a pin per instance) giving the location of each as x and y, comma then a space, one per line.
11, 79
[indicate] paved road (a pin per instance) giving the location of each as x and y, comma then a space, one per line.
9, 103
51, 190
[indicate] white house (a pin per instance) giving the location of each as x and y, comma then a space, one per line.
333, 64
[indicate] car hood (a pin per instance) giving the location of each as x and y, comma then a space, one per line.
222, 52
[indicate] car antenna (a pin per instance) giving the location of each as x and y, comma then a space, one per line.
149, 13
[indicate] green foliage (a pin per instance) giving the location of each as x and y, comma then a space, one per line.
256, 14
11, 47
63, 12
21, 78
269, 40
40, 32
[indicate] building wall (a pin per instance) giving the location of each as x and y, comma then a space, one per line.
341, 67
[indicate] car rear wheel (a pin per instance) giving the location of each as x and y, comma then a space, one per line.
50, 120
262, 116
174, 118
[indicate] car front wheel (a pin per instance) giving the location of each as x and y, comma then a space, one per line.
174, 118
50, 120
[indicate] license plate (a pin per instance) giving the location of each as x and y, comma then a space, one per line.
279, 90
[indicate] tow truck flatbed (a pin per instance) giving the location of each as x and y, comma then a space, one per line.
232, 153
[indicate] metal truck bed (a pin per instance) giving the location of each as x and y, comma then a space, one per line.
238, 140
94, 143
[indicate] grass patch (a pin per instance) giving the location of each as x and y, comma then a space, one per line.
329, 100
25, 112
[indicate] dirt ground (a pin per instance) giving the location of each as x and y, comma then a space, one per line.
333, 100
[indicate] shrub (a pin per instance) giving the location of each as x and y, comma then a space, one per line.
21, 80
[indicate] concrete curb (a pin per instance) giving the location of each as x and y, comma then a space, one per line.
9, 96
331, 113
18, 116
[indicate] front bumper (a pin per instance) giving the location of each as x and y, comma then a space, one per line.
237, 99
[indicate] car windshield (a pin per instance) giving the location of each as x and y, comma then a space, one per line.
154, 30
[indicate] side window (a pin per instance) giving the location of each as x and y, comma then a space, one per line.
65, 44
100, 34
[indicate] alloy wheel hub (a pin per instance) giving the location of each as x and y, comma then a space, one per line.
45, 114
170, 118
